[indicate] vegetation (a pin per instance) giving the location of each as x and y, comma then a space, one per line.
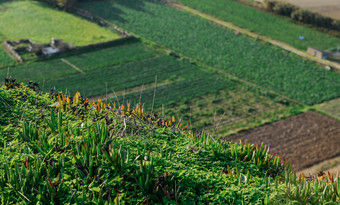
125, 76
331, 108
55, 68
264, 23
38, 22
129, 71
247, 59
81, 153
221, 107
5, 59
302, 15
220, 113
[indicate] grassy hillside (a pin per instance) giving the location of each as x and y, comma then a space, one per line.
38, 22
58, 150
247, 59
263, 23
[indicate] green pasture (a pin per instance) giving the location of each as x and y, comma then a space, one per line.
39, 22
261, 22
247, 59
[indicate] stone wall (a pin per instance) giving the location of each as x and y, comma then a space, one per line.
12, 51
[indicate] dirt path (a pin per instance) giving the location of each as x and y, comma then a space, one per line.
277, 43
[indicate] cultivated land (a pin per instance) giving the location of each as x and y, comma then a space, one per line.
331, 108
303, 140
329, 8
130, 69
38, 22
74, 150
264, 23
252, 61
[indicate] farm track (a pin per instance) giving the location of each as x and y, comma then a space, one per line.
274, 42
303, 140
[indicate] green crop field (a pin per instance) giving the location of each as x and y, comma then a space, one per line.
197, 38
5, 59
210, 103
51, 69
264, 23
137, 73
38, 22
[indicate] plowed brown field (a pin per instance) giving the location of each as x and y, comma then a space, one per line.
302, 140
329, 8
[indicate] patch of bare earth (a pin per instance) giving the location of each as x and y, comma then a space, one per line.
302, 140
329, 8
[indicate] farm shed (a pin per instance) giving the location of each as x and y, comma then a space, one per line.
317, 53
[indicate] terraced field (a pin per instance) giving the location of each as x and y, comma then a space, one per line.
46, 70
252, 61
130, 70
264, 23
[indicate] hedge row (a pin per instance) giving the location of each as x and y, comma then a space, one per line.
302, 15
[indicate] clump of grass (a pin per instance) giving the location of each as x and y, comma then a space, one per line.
64, 149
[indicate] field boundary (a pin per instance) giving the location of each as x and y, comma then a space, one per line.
247, 32
73, 66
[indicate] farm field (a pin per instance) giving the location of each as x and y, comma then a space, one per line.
329, 8
129, 75
247, 59
38, 22
303, 140
180, 84
219, 113
331, 108
51, 69
264, 23
215, 106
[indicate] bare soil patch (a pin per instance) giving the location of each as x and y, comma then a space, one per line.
302, 140
329, 8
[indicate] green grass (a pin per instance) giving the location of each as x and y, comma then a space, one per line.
90, 154
55, 68
39, 22
264, 23
253, 61
125, 76
5, 59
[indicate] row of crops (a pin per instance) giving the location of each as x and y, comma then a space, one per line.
126, 76
197, 38
130, 71
179, 91
55, 68
264, 23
